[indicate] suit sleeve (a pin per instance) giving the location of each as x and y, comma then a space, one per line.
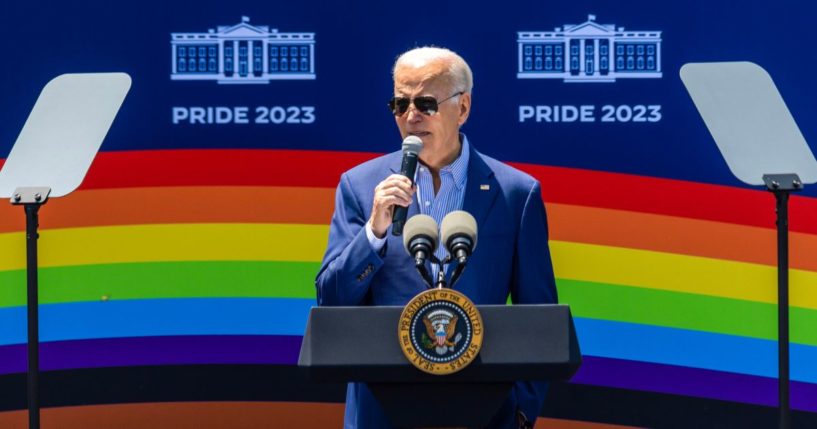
350, 262
534, 283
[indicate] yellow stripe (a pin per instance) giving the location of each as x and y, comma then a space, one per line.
178, 242
680, 273
296, 242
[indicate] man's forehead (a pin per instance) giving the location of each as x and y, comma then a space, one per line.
420, 83
417, 84
428, 74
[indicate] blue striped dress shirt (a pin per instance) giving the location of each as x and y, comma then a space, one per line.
449, 197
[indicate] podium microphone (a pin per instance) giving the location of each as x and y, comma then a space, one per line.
459, 236
412, 145
420, 241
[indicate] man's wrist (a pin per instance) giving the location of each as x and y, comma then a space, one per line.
376, 242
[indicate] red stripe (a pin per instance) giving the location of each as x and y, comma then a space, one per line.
669, 197
226, 167
260, 167
650, 195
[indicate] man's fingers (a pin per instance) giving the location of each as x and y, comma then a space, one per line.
395, 190
398, 180
395, 185
387, 198
390, 200
399, 192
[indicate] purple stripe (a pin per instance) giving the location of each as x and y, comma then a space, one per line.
172, 350
269, 349
686, 381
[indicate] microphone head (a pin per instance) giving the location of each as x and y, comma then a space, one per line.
459, 223
412, 145
419, 225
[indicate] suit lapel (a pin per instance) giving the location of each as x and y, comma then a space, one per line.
481, 189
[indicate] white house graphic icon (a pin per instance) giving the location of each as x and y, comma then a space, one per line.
242, 53
589, 52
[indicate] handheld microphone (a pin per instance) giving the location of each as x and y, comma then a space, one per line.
420, 241
412, 145
459, 236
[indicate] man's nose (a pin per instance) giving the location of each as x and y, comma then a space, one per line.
414, 115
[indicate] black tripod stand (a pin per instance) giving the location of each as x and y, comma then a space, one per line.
781, 185
32, 199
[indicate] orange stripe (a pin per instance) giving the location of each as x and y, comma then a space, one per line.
185, 415
165, 205
542, 422
670, 234
205, 415
299, 205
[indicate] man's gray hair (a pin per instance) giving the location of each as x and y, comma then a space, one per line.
459, 73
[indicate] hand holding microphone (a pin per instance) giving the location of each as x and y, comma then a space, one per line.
393, 195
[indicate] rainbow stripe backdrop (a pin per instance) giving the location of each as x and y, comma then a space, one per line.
208, 256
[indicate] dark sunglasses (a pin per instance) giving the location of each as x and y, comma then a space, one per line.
426, 104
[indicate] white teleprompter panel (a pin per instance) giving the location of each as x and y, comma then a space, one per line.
63, 132
749, 121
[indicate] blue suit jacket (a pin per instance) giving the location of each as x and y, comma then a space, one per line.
511, 258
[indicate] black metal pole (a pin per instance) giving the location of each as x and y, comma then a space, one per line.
33, 316
782, 198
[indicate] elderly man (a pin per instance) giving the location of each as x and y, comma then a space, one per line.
366, 265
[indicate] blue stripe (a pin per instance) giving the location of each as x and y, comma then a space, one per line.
158, 317
695, 349
277, 316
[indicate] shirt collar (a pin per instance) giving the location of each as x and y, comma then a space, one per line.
459, 168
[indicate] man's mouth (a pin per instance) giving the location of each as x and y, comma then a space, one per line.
419, 133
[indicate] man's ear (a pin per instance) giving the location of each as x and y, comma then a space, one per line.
465, 108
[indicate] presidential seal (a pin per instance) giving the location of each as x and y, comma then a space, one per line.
440, 331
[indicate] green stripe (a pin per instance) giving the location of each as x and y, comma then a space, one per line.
296, 280
163, 280
684, 311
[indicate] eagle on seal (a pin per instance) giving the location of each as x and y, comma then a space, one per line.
441, 332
